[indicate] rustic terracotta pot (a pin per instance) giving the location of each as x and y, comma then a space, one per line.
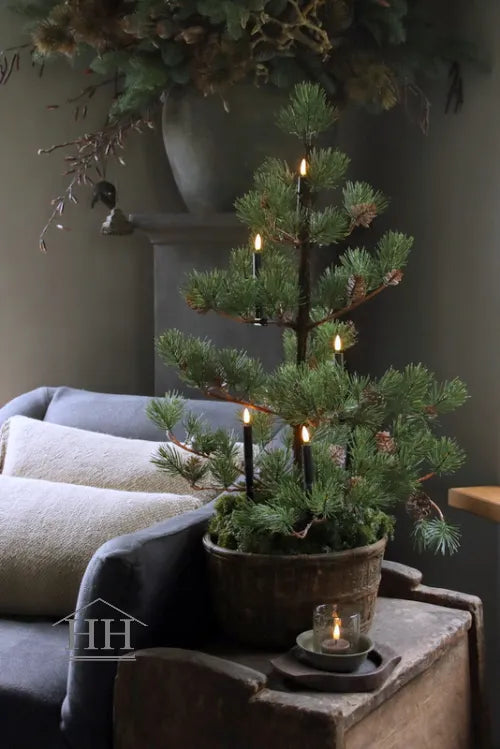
265, 600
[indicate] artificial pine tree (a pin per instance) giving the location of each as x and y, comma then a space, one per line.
372, 440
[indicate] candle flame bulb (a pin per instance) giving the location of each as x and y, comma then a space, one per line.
258, 243
246, 416
305, 435
303, 168
337, 344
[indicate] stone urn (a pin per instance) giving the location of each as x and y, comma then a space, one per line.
215, 145
266, 600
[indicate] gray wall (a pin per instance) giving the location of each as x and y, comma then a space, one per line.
445, 190
83, 313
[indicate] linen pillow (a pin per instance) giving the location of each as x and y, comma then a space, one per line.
40, 450
49, 532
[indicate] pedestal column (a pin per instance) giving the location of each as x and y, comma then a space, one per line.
184, 241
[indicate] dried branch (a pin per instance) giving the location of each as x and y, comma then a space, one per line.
91, 152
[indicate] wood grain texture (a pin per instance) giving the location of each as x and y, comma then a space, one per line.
432, 711
480, 500
231, 700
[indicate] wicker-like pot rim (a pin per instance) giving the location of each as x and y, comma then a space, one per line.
358, 551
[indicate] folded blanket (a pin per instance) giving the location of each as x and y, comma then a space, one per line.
38, 449
49, 532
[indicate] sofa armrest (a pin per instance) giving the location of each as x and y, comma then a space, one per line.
156, 576
33, 404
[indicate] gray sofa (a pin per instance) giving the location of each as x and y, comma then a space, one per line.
155, 575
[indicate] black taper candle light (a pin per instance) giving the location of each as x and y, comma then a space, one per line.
301, 182
339, 350
248, 453
257, 264
307, 460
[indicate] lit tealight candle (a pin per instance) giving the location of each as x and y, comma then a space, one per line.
248, 453
339, 349
336, 643
307, 459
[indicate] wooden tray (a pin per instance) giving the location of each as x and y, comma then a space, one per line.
380, 663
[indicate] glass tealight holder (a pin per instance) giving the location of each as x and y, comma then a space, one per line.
335, 631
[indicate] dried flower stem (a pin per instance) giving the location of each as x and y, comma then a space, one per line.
91, 153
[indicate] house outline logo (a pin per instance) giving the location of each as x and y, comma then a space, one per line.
125, 633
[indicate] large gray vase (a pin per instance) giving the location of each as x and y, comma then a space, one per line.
213, 152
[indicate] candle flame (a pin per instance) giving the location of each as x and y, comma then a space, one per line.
303, 168
305, 435
337, 343
246, 416
257, 243
336, 630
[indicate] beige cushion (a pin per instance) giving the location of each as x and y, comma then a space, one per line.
49, 532
40, 450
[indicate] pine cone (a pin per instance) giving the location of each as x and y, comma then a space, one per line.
356, 288
362, 214
338, 455
385, 443
191, 35
371, 397
419, 506
393, 278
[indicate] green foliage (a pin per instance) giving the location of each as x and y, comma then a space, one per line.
374, 441
327, 168
367, 57
436, 535
193, 469
166, 412
361, 193
244, 525
320, 344
203, 366
308, 115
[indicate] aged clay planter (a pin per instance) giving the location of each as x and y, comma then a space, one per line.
213, 152
266, 600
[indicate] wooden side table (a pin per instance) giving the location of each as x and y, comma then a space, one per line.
231, 700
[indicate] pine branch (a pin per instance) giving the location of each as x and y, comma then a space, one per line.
349, 307
436, 535
223, 395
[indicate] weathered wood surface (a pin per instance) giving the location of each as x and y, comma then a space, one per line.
191, 700
431, 712
400, 581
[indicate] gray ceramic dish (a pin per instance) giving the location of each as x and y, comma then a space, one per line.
339, 662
